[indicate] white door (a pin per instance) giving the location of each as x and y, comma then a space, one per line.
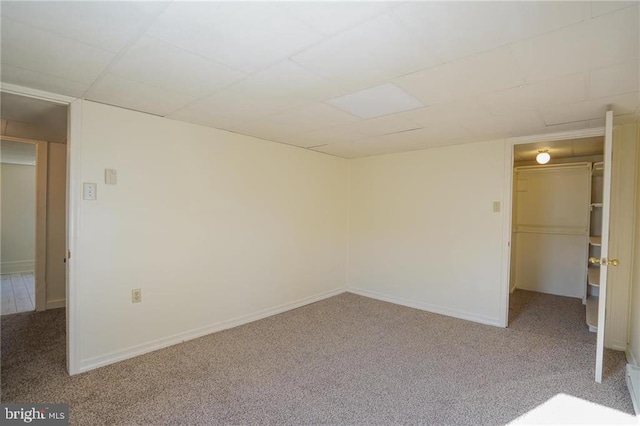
604, 259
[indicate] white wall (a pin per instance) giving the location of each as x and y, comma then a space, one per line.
551, 224
422, 230
56, 225
215, 228
18, 217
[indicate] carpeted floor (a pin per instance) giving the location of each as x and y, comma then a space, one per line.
347, 359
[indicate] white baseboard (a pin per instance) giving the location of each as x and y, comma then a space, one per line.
425, 307
54, 304
16, 266
113, 357
633, 384
512, 289
630, 358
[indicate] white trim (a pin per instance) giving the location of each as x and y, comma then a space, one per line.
55, 304
74, 187
633, 384
42, 196
630, 358
425, 307
17, 266
110, 358
35, 93
512, 289
509, 143
507, 234
559, 136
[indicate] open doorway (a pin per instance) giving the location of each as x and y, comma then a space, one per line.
34, 186
18, 212
556, 222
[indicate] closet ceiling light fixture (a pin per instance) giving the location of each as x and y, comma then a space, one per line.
543, 157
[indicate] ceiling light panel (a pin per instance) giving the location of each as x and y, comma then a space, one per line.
247, 36
161, 64
377, 101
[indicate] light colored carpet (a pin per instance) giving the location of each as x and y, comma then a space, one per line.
344, 360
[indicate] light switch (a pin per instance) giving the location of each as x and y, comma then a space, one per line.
496, 206
89, 191
110, 176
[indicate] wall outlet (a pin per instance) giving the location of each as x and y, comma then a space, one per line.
89, 191
136, 295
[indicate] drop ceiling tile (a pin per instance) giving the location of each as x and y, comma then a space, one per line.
41, 81
99, 24
331, 135
614, 80
161, 64
551, 55
287, 82
567, 89
368, 54
514, 124
614, 38
472, 76
449, 113
425, 137
590, 109
599, 42
119, 91
226, 106
291, 126
459, 29
431, 86
564, 127
247, 36
383, 125
376, 101
308, 118
332, 17
47, 53
203, 118
601, 7
341, 149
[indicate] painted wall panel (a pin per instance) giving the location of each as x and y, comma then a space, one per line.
211, 225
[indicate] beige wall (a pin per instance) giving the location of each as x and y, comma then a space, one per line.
216, 229
423, 233
18, 217
56, 225
634, 303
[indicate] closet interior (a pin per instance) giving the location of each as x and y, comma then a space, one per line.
557, 220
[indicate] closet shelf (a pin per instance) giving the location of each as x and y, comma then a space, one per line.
593, 276
596, 205
592, 313
595, 241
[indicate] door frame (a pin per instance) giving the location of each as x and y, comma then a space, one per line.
74, 133
40, 243
507, 196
